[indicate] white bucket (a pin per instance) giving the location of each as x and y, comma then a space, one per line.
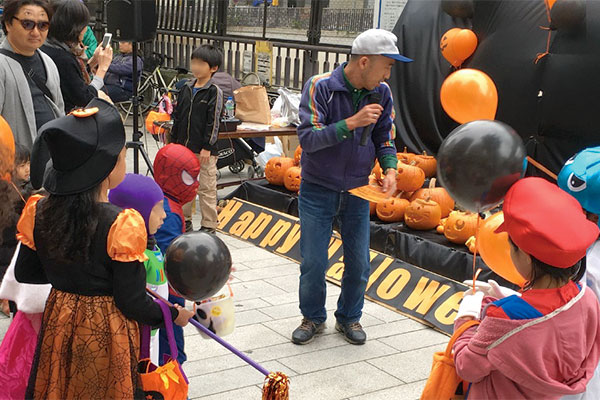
216, 313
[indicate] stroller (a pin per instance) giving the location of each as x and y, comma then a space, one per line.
234, 153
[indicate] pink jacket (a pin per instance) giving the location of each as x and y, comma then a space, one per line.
540, 358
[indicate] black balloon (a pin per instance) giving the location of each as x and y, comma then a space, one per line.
567, 14
479, 161
458, 8
197, 264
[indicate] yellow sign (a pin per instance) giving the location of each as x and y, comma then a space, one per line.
410, 290
264, 60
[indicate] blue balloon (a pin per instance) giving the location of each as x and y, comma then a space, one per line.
580, 177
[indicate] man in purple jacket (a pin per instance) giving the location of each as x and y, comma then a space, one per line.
337, 110
118, 81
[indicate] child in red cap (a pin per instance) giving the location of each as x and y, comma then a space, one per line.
544, 343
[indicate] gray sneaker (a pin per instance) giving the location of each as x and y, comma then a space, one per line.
353, 332
306, 332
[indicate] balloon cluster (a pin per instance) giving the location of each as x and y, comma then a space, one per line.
482, 158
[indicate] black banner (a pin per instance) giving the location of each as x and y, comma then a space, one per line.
410, 290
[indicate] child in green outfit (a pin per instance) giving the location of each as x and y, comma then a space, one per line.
143, 195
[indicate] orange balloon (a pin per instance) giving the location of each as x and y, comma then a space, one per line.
7, 150
495, 249
468, 95
457, 45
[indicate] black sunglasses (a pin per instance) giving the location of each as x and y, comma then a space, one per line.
28, 24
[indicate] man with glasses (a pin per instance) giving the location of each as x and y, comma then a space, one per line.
30, 92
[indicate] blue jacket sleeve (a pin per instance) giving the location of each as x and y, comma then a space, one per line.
313, 132
170, 229
384, 132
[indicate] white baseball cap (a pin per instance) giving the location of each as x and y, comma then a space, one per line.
377, 42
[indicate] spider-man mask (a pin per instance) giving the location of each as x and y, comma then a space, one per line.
176, 171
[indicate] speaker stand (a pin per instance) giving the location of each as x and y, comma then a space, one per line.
136, 144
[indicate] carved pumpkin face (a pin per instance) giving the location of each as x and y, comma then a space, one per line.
439, 195
276, 168
460, 226
292, 179
297, 155
392, 209
409, 178
422, 214
427, 163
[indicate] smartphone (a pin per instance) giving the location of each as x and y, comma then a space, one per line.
106, 40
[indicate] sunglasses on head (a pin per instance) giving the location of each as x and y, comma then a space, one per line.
28, 24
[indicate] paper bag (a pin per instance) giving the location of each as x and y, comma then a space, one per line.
252, 104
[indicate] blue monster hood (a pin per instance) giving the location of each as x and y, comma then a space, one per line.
580, 177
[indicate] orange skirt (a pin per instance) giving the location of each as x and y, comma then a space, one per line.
86, 349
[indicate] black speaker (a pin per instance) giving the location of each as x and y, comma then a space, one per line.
131, 20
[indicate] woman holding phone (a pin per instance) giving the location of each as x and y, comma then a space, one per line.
64, 46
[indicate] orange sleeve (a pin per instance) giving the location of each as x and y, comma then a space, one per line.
127, 238
27, 222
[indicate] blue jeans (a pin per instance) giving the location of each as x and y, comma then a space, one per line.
318, 206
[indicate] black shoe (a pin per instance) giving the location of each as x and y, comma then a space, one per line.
306, 332
353, 332
212, 231
188, 226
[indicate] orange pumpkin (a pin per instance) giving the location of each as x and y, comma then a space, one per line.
297, 155
377, 171
440, 228
409, 178
392, 209
372, 208
292, 179
155, 116
427, 163
460, 226
439, 195
471, 243
405, 156
423, 214
276, 168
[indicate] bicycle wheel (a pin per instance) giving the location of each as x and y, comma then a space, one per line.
147, 92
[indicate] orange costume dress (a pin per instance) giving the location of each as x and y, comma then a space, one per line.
88, 346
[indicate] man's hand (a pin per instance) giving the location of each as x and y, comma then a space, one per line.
204, 156
367, 115
389, 181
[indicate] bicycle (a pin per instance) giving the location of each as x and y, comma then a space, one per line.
152, 84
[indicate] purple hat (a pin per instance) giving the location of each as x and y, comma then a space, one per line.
138, 192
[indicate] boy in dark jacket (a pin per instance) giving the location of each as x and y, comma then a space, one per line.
196, 126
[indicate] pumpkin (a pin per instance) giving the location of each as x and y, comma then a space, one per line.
292, 179
372, 208
297, 155
392, 209
377, 171
409, 178
423, 214
276, 168
427, 163
439, 195
405, 156
440, 228
155, 116
460, 226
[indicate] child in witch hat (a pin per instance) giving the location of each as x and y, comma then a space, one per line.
91, 252
143, 195
176, 171
546, 342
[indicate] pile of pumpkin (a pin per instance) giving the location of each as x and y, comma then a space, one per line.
285, 171
422, 208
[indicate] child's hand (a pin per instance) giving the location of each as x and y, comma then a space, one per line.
204, 156
184, 316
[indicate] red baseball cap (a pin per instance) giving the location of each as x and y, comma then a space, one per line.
547, 222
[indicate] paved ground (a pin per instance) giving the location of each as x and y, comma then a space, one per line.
393, 364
